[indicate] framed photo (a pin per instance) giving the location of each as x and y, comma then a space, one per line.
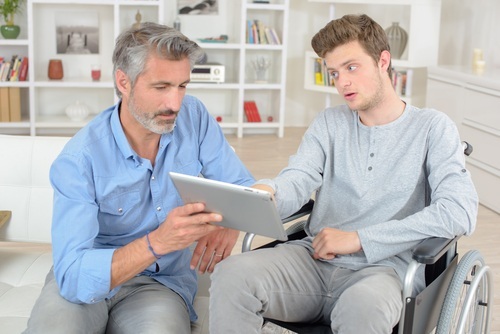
198, 7
77, 32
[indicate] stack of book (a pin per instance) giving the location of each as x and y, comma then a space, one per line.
15, 69
10, 104
402, 81
321, 75
259, 33
251, 111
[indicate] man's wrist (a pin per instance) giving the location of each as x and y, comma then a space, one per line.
150, 247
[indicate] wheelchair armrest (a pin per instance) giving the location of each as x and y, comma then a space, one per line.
303, 211
431, 249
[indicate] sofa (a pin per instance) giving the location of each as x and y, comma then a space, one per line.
25, 250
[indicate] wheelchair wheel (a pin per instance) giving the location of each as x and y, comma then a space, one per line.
465, 307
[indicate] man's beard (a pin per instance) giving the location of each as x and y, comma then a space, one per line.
151, 122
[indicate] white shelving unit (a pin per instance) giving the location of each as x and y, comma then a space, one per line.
226, 99
421, 20
43, 101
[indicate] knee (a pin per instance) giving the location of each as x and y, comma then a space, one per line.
238, 274
362, 308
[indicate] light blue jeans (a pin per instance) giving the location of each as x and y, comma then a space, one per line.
285, 283
141, 306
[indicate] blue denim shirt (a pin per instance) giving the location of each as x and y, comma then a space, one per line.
106, 196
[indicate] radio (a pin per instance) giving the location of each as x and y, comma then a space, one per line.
209, 72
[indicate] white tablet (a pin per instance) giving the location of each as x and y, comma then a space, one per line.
242, 208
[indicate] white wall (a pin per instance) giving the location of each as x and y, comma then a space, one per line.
465, 25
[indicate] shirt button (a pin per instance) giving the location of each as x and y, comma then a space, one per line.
120, 210
371, 155
158, 208
464, 170
152, 177
370, 168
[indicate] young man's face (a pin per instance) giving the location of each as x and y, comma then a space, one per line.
156, 98
357, 77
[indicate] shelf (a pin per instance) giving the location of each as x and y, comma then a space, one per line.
44, 100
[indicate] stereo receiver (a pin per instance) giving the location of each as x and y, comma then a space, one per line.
209, 72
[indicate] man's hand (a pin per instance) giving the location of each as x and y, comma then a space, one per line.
213, 248
331, 242
183, 226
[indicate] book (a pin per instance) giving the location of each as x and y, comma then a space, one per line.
14, 73
5, 71
276, 38
318, 72
262, 33
15, 104
23, 69
4, 104
250, 39
251, 111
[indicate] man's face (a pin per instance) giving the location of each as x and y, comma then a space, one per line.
156, 98
357, 78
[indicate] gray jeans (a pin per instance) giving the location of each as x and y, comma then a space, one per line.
285, 283
142, 305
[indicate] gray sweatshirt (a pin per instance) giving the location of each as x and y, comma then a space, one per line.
394, 184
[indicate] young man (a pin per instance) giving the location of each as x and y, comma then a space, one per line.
120, 232
386, 175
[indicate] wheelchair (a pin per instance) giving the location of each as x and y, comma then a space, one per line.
458, 297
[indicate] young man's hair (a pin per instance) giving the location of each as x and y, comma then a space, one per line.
349, 28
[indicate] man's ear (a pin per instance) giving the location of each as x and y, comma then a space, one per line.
122, 81
385, 60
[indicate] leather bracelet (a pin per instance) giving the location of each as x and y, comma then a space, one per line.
151, 247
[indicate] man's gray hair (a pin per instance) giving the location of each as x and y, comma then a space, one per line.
134, 46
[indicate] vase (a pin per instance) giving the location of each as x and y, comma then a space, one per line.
397, 38
56, 71
10, 31
77, 111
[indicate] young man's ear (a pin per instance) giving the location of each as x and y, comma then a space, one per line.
385, 60
122, 81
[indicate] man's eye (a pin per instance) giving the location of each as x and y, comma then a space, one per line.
334, 75
351, 67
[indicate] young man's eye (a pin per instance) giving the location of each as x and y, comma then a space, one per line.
351, 67
334, 75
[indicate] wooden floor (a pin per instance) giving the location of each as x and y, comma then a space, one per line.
266, 155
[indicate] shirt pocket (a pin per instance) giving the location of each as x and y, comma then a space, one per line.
120, 214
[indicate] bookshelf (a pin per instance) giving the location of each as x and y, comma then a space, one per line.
226, 100
43, 101
421, 20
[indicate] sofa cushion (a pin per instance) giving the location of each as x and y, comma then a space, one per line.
23, 267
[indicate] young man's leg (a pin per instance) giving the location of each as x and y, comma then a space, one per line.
283, 283
370, 301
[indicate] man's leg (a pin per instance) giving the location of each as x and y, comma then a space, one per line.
54, 314
283, 283
371, 302
145, 306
